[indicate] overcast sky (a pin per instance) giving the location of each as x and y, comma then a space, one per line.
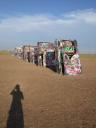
29, 21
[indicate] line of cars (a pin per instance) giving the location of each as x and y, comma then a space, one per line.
61, 56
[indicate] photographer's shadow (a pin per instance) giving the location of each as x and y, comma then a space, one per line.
15, 117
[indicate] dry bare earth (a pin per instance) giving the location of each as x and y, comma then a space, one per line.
50, 100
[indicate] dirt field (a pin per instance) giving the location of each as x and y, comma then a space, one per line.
50, 100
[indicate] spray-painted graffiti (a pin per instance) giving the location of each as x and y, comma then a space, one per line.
62, 56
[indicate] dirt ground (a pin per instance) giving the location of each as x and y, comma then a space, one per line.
50, 100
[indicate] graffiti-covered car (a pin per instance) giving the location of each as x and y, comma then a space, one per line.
70, 60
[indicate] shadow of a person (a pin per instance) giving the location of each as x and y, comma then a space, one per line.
15, 117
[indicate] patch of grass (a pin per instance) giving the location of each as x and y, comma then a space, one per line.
4, 53
88, 56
